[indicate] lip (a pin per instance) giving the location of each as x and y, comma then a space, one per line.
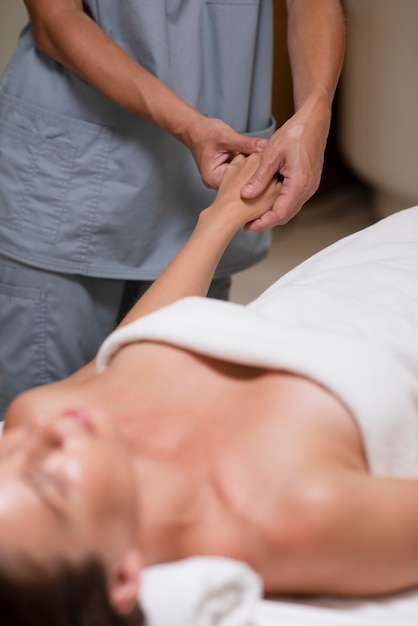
82, 418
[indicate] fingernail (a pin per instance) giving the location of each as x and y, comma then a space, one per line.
248, 188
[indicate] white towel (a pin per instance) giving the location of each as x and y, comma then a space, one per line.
200, 592
211, 591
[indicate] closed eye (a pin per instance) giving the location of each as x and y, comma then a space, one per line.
52, 490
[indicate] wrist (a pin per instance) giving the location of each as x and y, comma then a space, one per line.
219, 222
190, 129
166, 109
318, 104
314, 115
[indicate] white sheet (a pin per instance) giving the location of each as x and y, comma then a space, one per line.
211, 591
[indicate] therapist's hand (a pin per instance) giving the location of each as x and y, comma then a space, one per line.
315, 38
296, 153
214, 144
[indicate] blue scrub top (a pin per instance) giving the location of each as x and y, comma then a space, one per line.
86, 187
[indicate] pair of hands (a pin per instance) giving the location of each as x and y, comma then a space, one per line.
229, 209
295, 151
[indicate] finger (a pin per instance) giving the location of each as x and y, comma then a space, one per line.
238, 158
265, 222
284, 208
213, 178
259, 181
248, 145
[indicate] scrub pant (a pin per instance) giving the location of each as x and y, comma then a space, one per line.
52, 324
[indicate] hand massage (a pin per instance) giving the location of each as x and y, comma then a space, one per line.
282, 434
117, 120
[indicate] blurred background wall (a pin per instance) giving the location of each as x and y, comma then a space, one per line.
378, 117
13, 17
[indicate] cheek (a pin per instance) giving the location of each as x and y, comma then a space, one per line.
29, 534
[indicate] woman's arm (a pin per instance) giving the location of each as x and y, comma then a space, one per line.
62, 30
192, 269
379, 543
296, 150
345, 532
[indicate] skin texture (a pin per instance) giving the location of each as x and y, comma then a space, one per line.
316, 46
268, 468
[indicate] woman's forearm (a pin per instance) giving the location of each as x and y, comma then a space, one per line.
189, 273
192, 269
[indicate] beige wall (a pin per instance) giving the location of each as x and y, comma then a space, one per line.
12, 17
379, 104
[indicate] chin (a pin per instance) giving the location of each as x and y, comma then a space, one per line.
20, 410
27, 406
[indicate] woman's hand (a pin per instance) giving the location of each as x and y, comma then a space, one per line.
229, 208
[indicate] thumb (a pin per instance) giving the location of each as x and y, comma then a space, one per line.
257, 183
248, 145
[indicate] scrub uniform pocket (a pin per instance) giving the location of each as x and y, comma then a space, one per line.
41, 155
35, 172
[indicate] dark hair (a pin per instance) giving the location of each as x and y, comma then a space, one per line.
75, 596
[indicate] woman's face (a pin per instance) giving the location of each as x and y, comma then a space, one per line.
67, 490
